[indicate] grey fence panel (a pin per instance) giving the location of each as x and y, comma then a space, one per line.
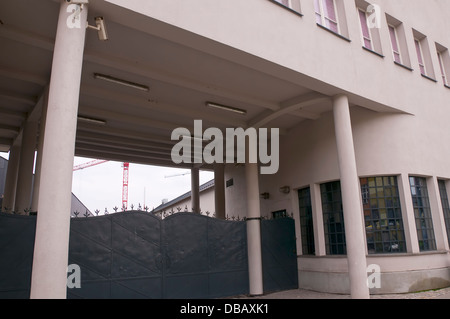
137, 255
204, 257
16, 255
119, 256
279, 254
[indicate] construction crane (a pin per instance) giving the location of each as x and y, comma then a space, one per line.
126, 167
88, 164
175, 175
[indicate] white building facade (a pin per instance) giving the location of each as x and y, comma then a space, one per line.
360, 92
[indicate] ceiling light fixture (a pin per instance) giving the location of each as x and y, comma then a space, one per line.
121, 82
91, 120
226, 108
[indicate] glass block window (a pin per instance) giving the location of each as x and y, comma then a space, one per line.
445, 206
306, 221
333, 218
422, 213
382, 215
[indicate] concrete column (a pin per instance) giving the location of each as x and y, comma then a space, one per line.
437, 214
26, 164
195, 190
49, 273
319, 232
351, 200
255, 271
409, 221
219, 190
37, 174
9, 199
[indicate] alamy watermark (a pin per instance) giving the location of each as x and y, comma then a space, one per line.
374, 277
74, 276
374, 16
237, 146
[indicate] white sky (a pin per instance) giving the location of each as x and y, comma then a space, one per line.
100, 186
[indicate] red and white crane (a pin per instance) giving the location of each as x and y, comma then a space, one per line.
126, 167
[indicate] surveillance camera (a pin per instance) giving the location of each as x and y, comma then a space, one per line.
78, 1
101, 27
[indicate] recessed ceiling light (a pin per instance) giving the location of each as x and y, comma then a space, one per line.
112, 79
226, 108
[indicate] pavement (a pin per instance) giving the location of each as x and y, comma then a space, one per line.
307, 294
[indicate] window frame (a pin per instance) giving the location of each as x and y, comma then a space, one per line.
383, 219
334, 231
424, 222
443, 194
420, 56
397, 42
323, 18
363, 38
306, 221
442, 68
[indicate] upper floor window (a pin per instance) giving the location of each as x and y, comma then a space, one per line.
420, 57
370, 35
326, 14
398, 42
395, 44
423, 55
293, 5
284, 2
444, 63
367, 38
441, 66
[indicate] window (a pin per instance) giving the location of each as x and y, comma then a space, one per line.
333, 218
441, 66
292, 5
423, 55
367, 38
382, 215
306, 221
326, 14
279, 214
445, 206
420, 57
395, 44
284, 2
444, 63
422, 213
398, 42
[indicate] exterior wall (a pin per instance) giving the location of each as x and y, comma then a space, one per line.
351, 68
410, 142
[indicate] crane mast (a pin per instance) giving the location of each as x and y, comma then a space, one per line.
126, 167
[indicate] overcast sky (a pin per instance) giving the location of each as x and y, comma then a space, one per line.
100, 186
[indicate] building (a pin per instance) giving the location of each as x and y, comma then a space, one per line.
358, 89
183, 202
